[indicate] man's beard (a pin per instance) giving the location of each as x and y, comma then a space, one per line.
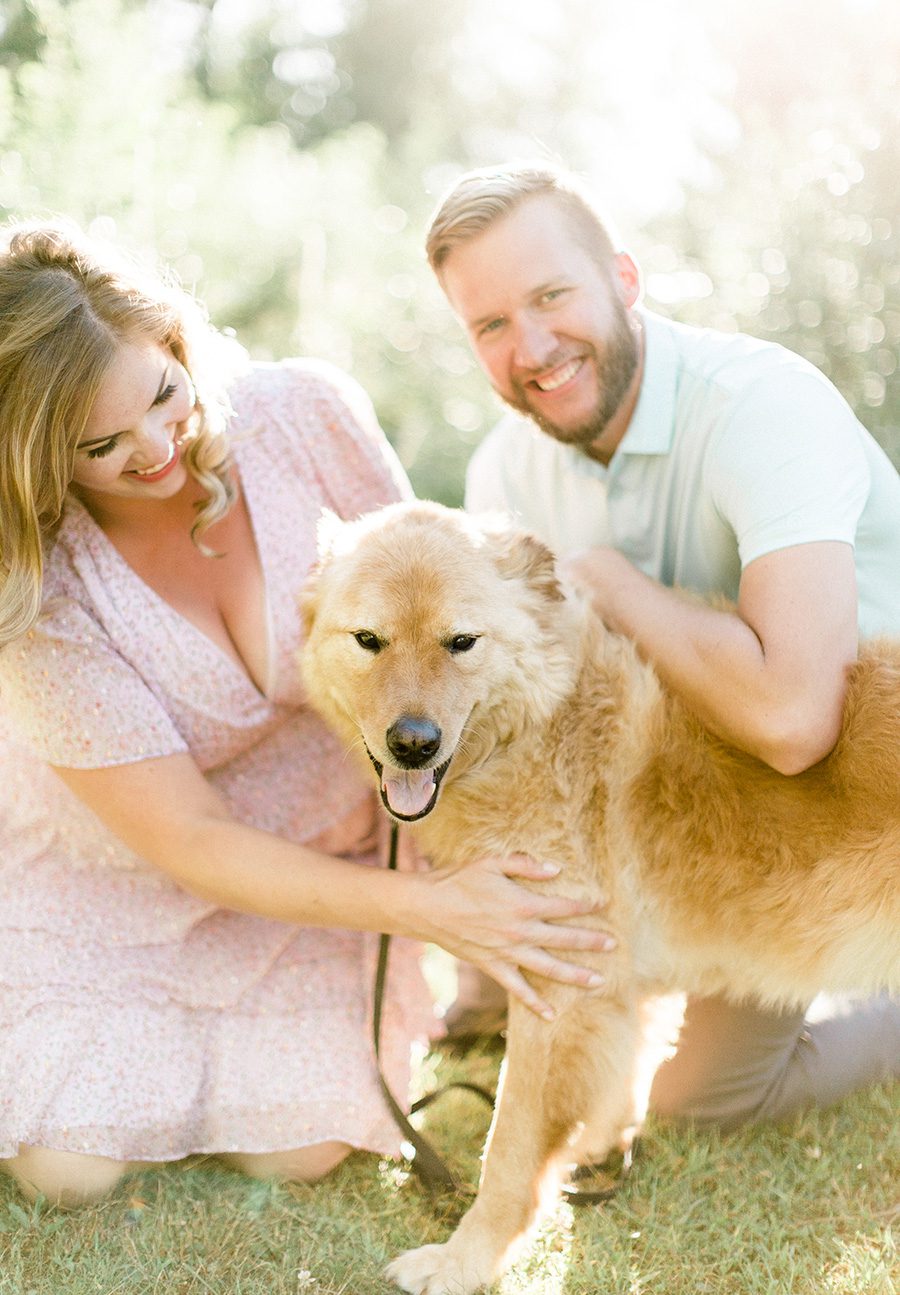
615, 371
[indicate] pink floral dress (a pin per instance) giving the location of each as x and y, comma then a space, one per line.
137, 1021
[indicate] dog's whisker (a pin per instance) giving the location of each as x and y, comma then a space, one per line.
351, 751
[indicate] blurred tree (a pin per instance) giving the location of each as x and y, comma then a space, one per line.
273, 62
319, 66
20, 34
284, 155
395, 45
794, 235
104, 123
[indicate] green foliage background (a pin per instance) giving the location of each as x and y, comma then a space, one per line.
283, 157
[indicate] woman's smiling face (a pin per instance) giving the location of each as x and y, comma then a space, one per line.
129, 446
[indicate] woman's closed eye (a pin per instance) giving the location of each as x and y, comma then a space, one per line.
166, 394
100, 451
106, 447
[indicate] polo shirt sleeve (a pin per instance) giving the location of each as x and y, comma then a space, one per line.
788, 465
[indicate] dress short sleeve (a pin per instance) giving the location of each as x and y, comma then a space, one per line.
349, 446
68, 696
330, 430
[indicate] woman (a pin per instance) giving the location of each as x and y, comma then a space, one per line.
187, 897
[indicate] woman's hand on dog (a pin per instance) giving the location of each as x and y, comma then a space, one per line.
481, 913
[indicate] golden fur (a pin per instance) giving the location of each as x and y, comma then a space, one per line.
722, 875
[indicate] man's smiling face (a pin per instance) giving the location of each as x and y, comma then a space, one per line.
550, 326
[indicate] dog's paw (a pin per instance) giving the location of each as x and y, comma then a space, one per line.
437, 1270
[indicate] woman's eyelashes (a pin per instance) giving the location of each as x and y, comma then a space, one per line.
100, 451
166, 394
107, 447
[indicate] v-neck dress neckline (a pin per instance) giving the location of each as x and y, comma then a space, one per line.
185, 624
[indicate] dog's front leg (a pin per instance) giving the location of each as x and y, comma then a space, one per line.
518, 1149
547, 1093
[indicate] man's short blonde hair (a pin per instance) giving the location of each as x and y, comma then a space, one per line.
479, 198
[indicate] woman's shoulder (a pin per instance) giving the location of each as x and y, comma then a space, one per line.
311, 408
73, 547
296, 389
320, 424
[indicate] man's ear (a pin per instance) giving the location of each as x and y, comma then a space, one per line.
627, 278
519, 555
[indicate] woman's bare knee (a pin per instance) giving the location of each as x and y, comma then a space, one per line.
66, 1178
305, 1164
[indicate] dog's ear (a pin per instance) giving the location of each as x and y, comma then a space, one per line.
519, 555
327, 528
307, 602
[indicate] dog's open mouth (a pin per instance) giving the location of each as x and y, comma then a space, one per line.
409, 794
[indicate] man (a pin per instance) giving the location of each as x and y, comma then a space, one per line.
650, 455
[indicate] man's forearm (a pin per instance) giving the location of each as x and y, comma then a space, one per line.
767, 703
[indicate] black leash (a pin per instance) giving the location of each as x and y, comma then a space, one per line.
431, 1169
425, 1161
611, 1179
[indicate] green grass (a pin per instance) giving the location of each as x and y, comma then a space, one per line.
803, 1208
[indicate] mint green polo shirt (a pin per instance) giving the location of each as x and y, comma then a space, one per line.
736, 448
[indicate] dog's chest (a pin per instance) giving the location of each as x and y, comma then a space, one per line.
506, 818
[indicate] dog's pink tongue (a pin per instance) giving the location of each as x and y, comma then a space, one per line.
409, 793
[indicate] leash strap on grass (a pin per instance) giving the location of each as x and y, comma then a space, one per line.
426, 1163
606, 1181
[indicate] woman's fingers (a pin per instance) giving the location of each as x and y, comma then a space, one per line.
550, 908
550, 935
515, 983
566, 973
512, 931
523, 865
545, 922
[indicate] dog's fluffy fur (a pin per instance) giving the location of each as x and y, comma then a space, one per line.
722, 875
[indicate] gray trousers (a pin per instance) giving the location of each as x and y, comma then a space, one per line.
739, 1064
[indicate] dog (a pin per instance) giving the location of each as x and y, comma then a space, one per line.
501, 716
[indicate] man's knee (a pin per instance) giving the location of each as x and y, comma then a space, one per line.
730, 1067
706, 1105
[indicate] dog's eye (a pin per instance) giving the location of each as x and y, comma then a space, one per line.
366, 639
462, 642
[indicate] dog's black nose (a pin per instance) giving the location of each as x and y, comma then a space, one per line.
413, 742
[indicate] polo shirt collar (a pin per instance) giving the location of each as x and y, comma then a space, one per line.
652, 424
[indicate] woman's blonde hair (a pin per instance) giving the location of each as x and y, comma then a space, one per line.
66, 306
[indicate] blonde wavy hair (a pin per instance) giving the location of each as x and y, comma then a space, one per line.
66, 305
